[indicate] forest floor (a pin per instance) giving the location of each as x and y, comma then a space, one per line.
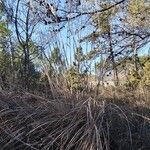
118, 122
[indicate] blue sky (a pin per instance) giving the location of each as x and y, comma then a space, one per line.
69, 41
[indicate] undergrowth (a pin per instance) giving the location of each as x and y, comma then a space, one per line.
30, 122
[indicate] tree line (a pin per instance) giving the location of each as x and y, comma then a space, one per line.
64, 43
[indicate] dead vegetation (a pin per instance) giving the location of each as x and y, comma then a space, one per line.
29, 122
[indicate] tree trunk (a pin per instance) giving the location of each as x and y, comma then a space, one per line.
115, 70
135, 55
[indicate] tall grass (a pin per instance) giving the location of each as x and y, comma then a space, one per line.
32, 122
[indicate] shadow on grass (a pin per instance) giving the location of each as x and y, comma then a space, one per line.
31, 122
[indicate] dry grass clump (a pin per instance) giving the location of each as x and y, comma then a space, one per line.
120, 94
31, 122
